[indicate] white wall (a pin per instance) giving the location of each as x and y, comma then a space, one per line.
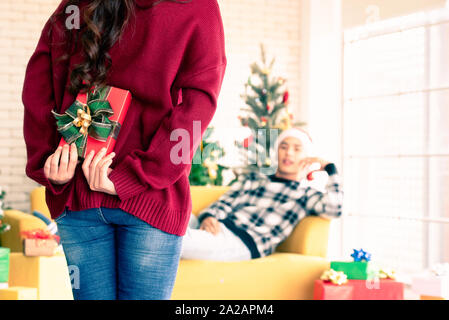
321, 61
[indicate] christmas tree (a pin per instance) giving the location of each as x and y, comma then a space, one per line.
205, 169
266, 113
3, 226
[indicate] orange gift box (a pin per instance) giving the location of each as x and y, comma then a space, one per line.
39, 242
39, 247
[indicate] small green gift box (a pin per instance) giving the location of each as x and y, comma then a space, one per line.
356, 270
4, 265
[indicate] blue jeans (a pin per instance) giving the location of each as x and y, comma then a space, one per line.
117, 255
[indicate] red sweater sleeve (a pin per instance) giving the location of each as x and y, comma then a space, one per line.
200, 77
39, 125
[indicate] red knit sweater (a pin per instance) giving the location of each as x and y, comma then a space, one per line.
172, 59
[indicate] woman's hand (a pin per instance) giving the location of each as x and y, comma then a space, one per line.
96, 170
59, 168
210, 224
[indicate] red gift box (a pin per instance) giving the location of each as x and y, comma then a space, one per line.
383, 289
86, 120
325, 290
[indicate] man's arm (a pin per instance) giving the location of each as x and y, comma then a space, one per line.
224, 205
326, 204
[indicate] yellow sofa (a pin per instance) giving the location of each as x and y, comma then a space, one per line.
289, 273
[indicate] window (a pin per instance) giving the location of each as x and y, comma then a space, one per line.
396, 140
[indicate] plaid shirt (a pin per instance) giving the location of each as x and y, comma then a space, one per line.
263, 210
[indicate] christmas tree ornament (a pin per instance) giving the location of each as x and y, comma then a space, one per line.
285, 97
266, 71
247, 142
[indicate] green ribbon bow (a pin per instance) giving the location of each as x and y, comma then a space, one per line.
91, 119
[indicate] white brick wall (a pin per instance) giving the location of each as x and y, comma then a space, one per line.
21, 22
276, 23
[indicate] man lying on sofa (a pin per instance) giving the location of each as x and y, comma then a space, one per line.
260, 211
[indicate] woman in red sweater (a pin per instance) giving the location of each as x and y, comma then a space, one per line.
121, 216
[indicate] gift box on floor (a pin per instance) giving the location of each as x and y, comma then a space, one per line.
431, 286
18, 293
356, 270
324, 290
4, 267
39, 247
39, 242
375, 289
94, 120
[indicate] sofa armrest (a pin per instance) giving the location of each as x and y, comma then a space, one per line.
310, 237
37, 201
18, 221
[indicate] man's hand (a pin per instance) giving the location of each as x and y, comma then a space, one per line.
305, 163
59, 168
309, 161
96, 170
210, 224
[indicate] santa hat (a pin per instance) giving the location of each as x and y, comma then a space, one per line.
299, 134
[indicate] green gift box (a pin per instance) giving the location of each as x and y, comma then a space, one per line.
4, 265
356, 270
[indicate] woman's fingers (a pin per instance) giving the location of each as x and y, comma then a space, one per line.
102, 173
54, 164
86, 165
64, 161
101, 170
93, 166
73, 161
47, 166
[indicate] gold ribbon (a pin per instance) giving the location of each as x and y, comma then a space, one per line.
336, 277
83, 119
